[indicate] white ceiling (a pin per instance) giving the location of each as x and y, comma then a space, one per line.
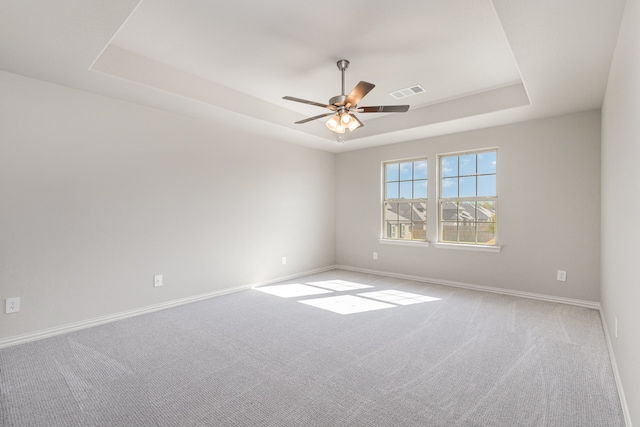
482, 62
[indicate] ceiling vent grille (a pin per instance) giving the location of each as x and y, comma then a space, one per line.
408, 91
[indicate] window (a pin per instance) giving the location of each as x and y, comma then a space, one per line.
405, 200
468, 198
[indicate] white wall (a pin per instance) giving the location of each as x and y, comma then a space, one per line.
621, 205
548, 209
98, 195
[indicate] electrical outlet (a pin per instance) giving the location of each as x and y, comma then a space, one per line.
157, 280
284, 260
562, 276
12, 305
375, 255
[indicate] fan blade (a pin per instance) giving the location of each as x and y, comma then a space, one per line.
304, 101
313, 118
358, 92
384, 109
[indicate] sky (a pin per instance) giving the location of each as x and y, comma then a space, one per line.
467, 175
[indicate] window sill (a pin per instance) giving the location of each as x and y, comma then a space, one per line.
404, 242
463, 247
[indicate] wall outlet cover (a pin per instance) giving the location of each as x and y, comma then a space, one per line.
157, 280
12, 305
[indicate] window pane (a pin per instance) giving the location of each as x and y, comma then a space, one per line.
487, 185
420, 189
449, 187
467, 211
487, 162
406, 171
392, 190
449, 231
468, 164
390, 211
467, 233
468, 186
449, 166
487, 233
449, 211
419, 212
405, 230
406, 188
404, 211
392, 172
420, 169
419, 231
487, 211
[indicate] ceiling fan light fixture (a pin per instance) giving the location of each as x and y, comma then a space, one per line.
332, 123
338, 123
355, 124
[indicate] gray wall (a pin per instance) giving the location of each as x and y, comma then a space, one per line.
621, 204
97, 196
548, 209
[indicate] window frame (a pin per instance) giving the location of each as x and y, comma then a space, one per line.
442, 201
386, 237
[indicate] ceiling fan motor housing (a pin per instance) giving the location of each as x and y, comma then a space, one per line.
338, 100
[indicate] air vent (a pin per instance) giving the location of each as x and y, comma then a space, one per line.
409, 91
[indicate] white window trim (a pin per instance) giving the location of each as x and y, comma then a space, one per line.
467, 247
439, 199
401, 242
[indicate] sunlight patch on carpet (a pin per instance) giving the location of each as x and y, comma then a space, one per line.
339, 285
347, 304
292, 290
398, 297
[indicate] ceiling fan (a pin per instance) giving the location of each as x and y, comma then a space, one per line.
344, 106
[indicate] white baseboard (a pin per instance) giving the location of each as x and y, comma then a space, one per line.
293, 276
63, 329
582, 303
616, 374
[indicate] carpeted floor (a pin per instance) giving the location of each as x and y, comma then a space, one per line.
423, 355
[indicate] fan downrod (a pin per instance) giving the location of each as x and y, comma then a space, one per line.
343, 64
